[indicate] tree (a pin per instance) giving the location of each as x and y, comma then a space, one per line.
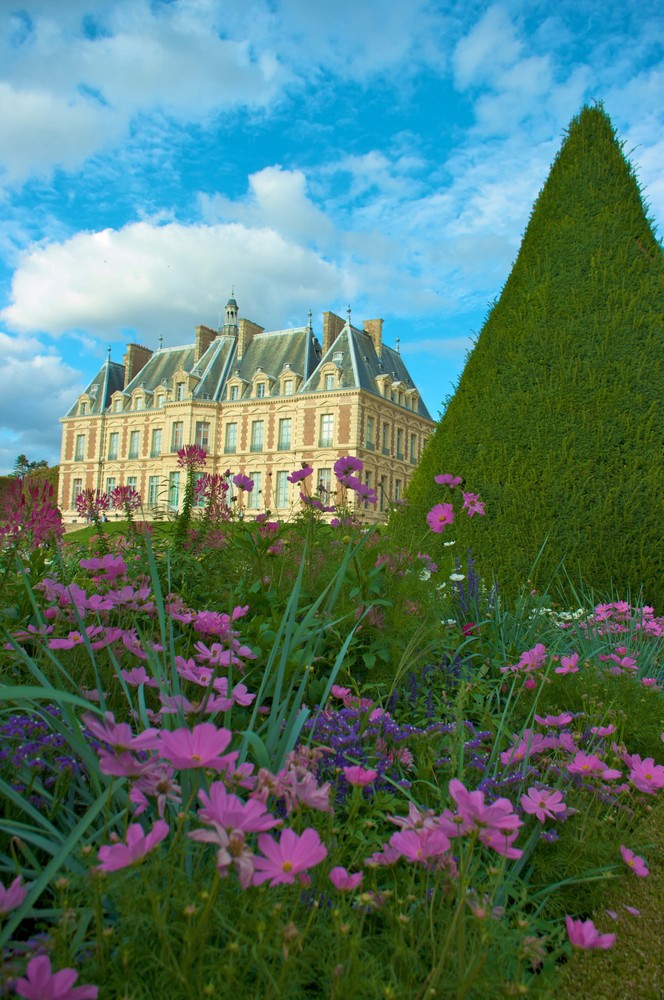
557, 417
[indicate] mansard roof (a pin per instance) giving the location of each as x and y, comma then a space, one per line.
108, 380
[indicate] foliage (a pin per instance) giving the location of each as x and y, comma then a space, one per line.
557, 416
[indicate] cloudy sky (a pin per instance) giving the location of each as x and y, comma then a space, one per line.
380, 154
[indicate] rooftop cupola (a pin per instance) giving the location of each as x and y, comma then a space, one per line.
230, 316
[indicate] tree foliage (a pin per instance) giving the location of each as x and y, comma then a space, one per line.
557, 418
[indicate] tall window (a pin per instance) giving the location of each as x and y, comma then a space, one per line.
110, 484
254, 498
285, 426
160, 401
139, 402
76, 488
235, 392
202, 434
260, 390
176, 438
288, 387
386, 439
413, 448
118, 406
370, 441
397, 489
329, 381
230, 441
324, 483
83, 409
134, 439
179, 391
200, 499
79, 453
257, 435
174, 490
326, 430
383, 492
153, 491
399, 443
113, 446
282, 489
132, 482
155, 444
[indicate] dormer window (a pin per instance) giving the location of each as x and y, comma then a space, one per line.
260, 390
329, 382
235, 392
288, 387
179, 391
160, 401
118, 406
83, 409
139, 402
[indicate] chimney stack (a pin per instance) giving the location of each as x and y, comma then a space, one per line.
246, 333
204, 337
135, 359
332, 327
374, 327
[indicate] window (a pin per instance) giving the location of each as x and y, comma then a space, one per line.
230, 496
200, 500
329, 381
134, 439
176, 437
76, 488
282, 489
83, 409
397, 489
288, 387
110, 484
399, 443
413, 448
254, 500
153, 491
235, 392
257, 435
386, 439
179, 391
260, 390
112, 446
79, 453
326, 430
139, 402
160, 401
202, 434
230, 441
132, 482
118, 406
324, 483
155, 444
370, 441
285, 426
383, 492
174, 490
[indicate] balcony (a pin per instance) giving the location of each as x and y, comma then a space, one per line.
230, 449
155, 454
386, 451
284, 444
325, 442
132, 454
370, 446
256, 446
400, 456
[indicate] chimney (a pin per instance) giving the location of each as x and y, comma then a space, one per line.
374, 327
332, 327
135, 359
246, 333
204, 337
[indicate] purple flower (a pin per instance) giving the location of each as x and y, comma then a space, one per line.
42, 984
243, 482
346, 466
300, 474
191, 457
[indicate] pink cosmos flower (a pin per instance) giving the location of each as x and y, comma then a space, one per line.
116, 856
42, 984
200, 747
440, 516
420, 845
447, 479
289, 857
543, 803
300, 474
584, 934
602, 730
569, 664
563, 719
472, 504
229, 811
110, 566
498, 816
588, 763
634, 861
359, 776
501, 842
645, 775
119, 735
243, 482
343, 881
13, 896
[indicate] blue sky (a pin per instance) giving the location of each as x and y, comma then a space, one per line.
314, 155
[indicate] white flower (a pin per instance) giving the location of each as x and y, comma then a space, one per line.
449, 543
448, 621
425, 574
441, 586
456, 577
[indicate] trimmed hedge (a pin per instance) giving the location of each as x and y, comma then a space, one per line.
557, 418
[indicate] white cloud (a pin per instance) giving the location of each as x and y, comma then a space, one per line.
489, 47
31, 372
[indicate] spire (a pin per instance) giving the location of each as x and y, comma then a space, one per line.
348, 314
397, 342
310, 314
230, 317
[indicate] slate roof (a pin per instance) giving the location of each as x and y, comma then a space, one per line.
108, 380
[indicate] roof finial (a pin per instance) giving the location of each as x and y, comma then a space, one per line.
161, 341
348, 314
310, 315
397, 345
109, 352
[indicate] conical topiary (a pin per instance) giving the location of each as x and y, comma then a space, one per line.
557, 418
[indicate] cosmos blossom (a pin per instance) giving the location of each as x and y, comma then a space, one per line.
583, 934
40, 983
138, 844
440, 516
289, 857
634, 861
